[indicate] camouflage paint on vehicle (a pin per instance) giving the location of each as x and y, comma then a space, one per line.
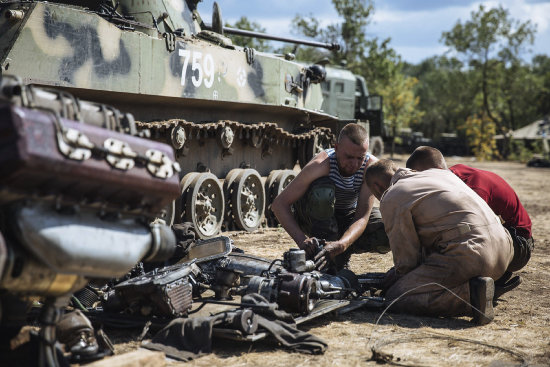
222, 107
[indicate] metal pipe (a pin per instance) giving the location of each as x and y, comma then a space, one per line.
245, 33
14, 14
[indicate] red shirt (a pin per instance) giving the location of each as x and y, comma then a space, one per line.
498, 194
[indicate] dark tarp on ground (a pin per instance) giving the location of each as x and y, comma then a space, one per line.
188, 338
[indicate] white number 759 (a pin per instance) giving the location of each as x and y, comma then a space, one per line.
206, 66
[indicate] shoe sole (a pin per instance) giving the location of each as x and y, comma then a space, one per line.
487, 293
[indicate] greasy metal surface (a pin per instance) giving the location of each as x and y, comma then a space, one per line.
207, 250
81, 243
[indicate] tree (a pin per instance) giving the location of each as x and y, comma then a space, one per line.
541, 69
446, 94
491, 42
372, 58
480, 131
400, 103
255, 43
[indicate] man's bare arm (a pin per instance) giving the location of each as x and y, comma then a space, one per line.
365, 203
318, 167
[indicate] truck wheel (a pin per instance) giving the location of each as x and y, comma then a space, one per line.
376, 146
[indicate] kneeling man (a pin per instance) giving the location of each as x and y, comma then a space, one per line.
442, 232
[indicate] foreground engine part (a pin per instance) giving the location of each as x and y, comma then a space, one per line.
164, 292
245, 321
298, 292
82, 243
51, 252
76, 199
294, 260
292, 292
50, 157
76, 332
224, 281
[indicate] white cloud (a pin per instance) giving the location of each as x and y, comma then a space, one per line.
414, 33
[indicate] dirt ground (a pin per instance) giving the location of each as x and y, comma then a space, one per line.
520, 331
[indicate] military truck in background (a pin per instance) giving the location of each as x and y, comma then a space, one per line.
238, 119
346, 95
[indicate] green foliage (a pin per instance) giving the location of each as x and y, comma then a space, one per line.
522, 152
446, 94
491, 42
541, 71
480, 130
400, 102
256, 43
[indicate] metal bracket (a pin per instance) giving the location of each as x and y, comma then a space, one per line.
74, 145
250, 55
170, 39
159, 165
120, 155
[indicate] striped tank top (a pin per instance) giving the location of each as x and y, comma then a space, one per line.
346, 188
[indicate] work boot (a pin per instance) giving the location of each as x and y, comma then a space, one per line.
504, 287
482, 291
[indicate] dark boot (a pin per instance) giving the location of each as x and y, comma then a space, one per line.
504, 287
482, 291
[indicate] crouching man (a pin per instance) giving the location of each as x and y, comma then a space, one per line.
442, 232
332, 202
499, 196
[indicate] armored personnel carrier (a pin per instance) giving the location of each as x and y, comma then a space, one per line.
238, 120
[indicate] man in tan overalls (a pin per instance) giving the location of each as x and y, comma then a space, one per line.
440, 231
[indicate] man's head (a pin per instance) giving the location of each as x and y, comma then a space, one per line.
424, 158
378, 176
352, 146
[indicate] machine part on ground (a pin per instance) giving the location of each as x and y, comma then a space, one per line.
245, 198
297, 293
249, 265
219, 105
244, 320
77, 333
224, 281
294, 260
295, 286
207, 250
163, 292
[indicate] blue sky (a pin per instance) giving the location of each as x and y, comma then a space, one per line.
414, 26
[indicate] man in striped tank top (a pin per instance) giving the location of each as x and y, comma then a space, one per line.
329, 202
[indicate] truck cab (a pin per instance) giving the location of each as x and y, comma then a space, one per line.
346, 96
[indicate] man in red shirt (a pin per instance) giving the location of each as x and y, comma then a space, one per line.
500, 196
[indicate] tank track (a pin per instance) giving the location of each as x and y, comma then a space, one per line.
269, 131
242, 212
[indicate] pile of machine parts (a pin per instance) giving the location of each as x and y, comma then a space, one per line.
80, 194
222, 277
